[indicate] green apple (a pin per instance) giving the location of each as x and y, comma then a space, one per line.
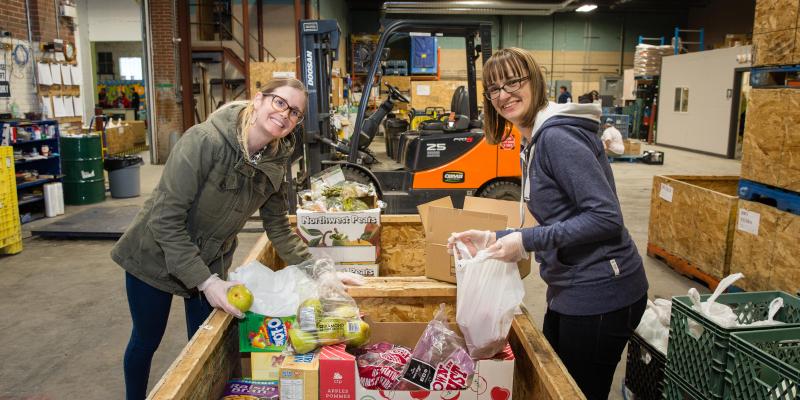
331, 330
240, 297
302, 341
346, 312
356, 333
309, 312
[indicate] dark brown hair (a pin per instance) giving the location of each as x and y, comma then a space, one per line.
502, 66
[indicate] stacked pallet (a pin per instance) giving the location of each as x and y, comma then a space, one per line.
768, 220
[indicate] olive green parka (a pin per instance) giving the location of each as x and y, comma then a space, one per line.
187, 229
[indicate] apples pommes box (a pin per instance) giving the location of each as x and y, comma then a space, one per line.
440, 219
338, 374
344, 237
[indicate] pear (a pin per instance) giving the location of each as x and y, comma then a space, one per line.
309, 313
346, 312
356, 333
303, 342
240, 297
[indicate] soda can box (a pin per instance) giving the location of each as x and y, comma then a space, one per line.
346, 236
237, 389
259, 333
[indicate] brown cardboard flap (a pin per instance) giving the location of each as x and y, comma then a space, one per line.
423, 209
444, 221
503, 207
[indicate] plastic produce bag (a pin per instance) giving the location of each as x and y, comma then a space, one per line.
275, 293
489, 294
439, 361
654, 326
720, 314
330, 315
380, 365
774, 306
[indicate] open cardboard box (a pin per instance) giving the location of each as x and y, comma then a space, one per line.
440, 219
338, 374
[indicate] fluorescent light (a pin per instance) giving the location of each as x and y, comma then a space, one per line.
586, 8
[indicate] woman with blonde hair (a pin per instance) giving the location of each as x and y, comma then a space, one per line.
182, 241
596, 284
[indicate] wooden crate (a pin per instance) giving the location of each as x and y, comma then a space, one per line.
767, 252
119, 140
212, 356
775, 15
775, 48
771, 145
692, 217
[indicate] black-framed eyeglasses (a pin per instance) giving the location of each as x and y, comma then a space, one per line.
493, 92
280, 104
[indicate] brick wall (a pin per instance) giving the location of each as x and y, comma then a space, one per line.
43, 22
14, 19
166, 80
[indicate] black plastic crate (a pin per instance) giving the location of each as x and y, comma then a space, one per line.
644, 372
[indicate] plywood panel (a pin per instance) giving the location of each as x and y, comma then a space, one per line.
774, 48
402, 83
763, 136
789, 165
696, 223
440, 93
768, 260
263, 72
775, 15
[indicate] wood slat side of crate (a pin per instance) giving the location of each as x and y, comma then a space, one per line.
771, 144
774, 48
768, 260
205, 365
538, 372
402, 246
775, 15
404, 299
697, 224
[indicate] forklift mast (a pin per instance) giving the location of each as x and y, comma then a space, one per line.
466, 29
319, 48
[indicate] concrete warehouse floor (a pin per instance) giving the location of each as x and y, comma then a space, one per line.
65, 320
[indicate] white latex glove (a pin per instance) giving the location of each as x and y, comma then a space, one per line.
349, 278
508, 248
216, 292
474, 240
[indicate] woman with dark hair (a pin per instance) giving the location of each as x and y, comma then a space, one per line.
182, 241
596, 283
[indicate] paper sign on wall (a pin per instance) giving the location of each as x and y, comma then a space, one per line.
424, 90
748, 221
665, 192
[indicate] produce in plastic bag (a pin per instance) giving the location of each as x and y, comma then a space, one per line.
440, 360
774, 306
381, 364
329, 317
718, 313
489, 294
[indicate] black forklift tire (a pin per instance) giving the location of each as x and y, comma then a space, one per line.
356, 175
502, 190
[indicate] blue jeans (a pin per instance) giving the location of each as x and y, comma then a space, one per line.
150, 311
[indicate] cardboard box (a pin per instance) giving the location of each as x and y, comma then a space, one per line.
632, 147
260, 333
440, 219
342, 236
367, 270
339, 380
138, 131
299, 377
266, 366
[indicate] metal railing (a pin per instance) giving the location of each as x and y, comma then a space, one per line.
221, 28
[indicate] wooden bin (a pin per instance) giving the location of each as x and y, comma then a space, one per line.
776, 38
765, 248
212, 356
692, 217
771, 144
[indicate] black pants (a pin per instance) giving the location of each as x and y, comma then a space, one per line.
591, 346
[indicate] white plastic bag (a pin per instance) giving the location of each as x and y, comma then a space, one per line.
275, 293
654, 326
718, 313
774, 306
489, 294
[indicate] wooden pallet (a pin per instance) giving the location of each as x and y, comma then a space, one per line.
682, 266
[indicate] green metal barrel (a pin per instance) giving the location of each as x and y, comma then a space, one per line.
82, 166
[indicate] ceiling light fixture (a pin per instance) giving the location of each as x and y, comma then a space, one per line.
586, 8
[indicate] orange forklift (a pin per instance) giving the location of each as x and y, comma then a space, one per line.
448, 156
